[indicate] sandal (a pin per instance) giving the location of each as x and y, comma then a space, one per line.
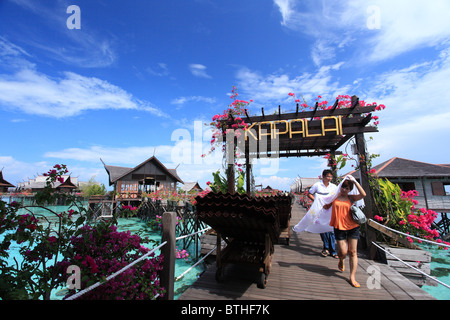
325, 252
354, 284
335, 256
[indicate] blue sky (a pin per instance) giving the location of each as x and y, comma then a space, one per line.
140, 76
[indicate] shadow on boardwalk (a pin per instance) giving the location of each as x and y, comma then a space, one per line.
300, 272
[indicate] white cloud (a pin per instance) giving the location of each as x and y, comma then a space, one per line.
275, 182
404, 25
82, 47
413, 91
199, 70
417, 139
274, 88
416, 117
16, 171
32, 92
285, 7
183, 100
322, 51
131, 156
407, 25
160, 70
35, 93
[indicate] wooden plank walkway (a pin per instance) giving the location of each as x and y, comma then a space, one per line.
300, 272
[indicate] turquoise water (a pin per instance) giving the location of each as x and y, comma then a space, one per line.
440, 269
181, 265
134, 225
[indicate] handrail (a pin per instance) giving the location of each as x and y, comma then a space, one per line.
192, 267
95, 285
80, 293
192, 234
408, 235
410, 266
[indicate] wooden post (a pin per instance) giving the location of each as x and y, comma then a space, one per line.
364, 177
167, 274
230, 178
247, 169
230, 148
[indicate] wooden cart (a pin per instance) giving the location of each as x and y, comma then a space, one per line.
249, 226
244, 252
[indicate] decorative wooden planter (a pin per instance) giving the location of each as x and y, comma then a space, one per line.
418, 258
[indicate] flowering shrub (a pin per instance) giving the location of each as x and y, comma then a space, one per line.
397, 210
344, 101
338, 162
48, 247
201, 194
182, 254
230, 119
170, 195
41, 244
102, 251
127, 211
156, 224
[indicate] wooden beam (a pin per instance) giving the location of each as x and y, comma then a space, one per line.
391, 234
248, 117
315, 109
247, 169
355, 102
319, 113
336, 103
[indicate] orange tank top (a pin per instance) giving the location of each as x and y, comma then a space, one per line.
340, 215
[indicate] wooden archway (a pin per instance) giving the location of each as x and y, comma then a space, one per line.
309, 133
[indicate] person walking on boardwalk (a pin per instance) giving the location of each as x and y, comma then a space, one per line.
317, 219
321, 189
346, 230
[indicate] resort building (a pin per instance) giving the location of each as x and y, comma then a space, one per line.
149, 176
432, 181
302, 184
4, 185
191, 187
70, 184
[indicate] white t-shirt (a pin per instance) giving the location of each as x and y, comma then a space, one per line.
320, 189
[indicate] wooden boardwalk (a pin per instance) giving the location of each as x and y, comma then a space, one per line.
300, 272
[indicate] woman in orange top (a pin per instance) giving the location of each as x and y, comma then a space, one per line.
346, 230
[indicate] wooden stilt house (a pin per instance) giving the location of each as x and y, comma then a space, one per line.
151, 175
432, 181
4, 185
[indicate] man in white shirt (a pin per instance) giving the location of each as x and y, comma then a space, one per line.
320, 189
